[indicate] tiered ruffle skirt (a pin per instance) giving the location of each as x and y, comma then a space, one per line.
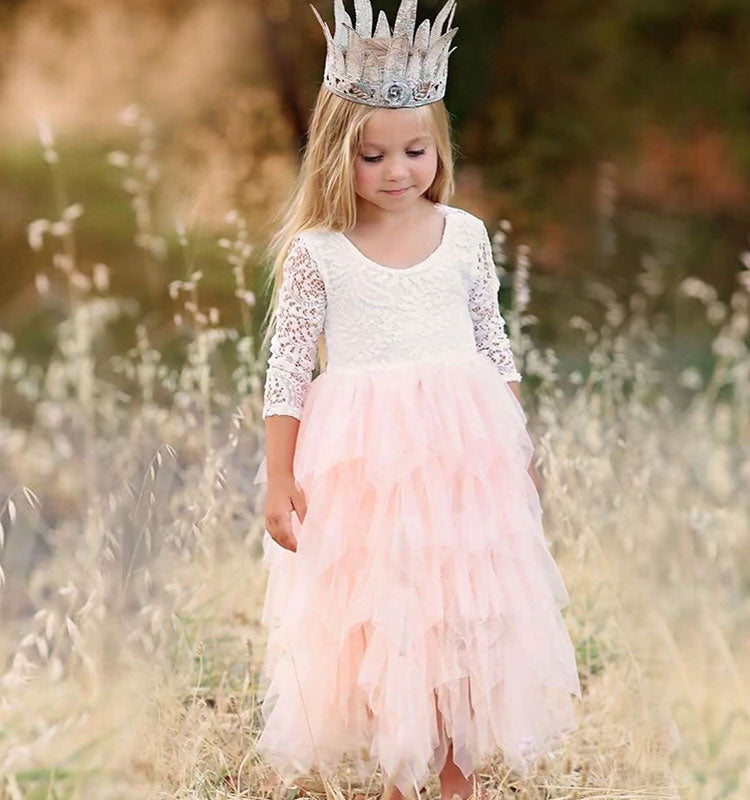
422, 604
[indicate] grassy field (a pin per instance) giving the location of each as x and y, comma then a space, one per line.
130, 548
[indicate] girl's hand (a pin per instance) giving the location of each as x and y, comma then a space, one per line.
283, 496
534, 475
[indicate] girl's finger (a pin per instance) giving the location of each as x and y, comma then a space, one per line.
299, 502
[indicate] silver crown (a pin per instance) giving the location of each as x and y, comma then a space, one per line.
414, 69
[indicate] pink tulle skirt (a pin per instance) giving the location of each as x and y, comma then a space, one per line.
422, 604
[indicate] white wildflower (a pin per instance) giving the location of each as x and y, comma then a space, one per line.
44, 130
7, 342
60, 228
35, 231
698, 519
716, 312
615, 315
16, 368
62, 262
159, 248
41, 282
691, 378
73, 212
101, 277
726, 347
80, 281
652, 279
118, 159
698, 289
49, 415
579, 323
739, 325
130, 115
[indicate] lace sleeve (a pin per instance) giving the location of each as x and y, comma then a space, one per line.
489, 325
299, 322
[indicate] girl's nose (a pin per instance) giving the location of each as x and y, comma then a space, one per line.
396, 171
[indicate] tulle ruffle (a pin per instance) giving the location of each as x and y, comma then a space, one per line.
422, 603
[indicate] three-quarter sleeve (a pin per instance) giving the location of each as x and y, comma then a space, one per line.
300, 318
489, 325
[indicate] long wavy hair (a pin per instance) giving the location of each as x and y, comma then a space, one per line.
324, 194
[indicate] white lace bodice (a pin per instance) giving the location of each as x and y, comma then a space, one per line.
374, 316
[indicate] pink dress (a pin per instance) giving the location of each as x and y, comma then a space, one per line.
422, 603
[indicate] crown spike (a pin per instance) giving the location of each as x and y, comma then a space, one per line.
450, 19
355, 55
422, 36
373, 74
414, 67
442, 66
382, 29
406, 19
318, 17
437, 26
437, 49
363, 15
341, 18
395, 60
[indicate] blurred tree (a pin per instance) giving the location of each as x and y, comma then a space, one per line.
541, 92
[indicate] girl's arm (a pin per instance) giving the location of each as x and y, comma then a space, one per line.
299, 322
489, 325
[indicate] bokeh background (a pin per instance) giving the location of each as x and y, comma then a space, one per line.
146, 148
603, 131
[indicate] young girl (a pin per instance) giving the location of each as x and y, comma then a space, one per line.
412, 604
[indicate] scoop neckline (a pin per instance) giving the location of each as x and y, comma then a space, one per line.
414, 267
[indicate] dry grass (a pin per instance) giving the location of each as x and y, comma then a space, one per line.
132, 582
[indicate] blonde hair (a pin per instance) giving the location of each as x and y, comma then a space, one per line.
324, 194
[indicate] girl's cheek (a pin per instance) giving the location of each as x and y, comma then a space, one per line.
366, 178
429, 165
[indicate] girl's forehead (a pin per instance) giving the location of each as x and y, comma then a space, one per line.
395, 127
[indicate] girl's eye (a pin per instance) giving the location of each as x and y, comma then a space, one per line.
376, 159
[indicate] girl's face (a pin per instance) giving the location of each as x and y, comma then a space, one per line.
398, 153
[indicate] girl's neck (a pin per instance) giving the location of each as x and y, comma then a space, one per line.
370, 216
